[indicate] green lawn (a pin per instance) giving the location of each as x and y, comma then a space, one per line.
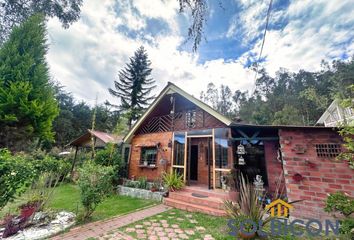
67, 197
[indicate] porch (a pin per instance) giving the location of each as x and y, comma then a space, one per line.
197, 198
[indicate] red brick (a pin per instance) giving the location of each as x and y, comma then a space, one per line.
342, 181
329, 180
335, 186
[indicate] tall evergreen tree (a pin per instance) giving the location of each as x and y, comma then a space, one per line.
134, 86
27, 103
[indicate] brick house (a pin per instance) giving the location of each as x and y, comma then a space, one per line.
179, 132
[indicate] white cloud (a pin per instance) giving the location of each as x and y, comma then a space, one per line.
87, 57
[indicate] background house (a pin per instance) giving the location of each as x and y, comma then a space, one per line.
335, 114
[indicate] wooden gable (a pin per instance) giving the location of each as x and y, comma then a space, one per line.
175, 113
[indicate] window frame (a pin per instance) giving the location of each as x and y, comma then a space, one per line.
149, 160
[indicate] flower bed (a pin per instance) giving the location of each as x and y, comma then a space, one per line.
41, 229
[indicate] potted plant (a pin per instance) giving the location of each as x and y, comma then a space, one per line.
155, 186
173, 181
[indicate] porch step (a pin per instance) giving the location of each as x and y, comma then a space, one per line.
210, 193
186, 196
193, 207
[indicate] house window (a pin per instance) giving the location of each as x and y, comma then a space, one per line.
329, 150
191, 116
148, 155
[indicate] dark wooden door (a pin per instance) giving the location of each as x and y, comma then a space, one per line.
194, 163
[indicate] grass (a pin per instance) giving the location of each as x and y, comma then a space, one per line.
215, 226
67, 197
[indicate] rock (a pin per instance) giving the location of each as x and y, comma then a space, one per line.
62, 221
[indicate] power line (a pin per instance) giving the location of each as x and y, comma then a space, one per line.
261, 51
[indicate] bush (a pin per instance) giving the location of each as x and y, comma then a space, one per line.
173, 181
339, 202
342, 203
110, 156
95, 184
16, 174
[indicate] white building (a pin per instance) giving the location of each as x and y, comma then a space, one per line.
335, 114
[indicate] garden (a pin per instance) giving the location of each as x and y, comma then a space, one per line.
42, 191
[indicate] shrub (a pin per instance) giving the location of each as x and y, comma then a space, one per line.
342, 203
339, 202
16, 174
95, 184
173, 181
110, 156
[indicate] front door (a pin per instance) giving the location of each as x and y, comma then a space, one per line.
194, 163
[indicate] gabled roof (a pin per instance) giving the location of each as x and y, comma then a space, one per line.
328, 111
103, 136
172, 88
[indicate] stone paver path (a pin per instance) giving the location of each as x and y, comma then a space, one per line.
98, 230
164, 227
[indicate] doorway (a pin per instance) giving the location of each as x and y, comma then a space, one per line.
194, 163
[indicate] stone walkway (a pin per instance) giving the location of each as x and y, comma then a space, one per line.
101, 228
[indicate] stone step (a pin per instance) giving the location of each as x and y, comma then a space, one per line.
193, 207
184, 196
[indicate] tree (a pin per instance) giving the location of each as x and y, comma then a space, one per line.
134, 86
211, 96
225, 102
15, 12
27, 103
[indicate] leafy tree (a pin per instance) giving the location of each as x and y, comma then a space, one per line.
225, 103
134, 86
211, 96
27, 103
13, 13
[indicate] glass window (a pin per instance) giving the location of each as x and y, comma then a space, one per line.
148, 155
179, 143
200, 132
191, 117
221, 148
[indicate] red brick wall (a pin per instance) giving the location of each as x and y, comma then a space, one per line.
328, 175
149, 140
273, 165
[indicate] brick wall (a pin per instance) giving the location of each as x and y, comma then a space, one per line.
149, 140
273, 165
321, 175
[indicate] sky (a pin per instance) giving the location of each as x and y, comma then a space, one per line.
87, 57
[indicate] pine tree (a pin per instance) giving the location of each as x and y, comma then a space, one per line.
134, 86
27, 103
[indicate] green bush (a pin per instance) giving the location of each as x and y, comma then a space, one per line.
16, 174
95, 182
339, 202
344, 204
173, 181
110, 156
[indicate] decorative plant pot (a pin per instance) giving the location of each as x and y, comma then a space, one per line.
145, 163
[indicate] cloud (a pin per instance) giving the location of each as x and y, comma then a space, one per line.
87, 57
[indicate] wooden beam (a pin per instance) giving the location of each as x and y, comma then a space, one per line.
185, 158
256, 138
213, 147
172, 151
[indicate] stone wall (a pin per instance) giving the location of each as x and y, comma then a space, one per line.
321, 175
140, 193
